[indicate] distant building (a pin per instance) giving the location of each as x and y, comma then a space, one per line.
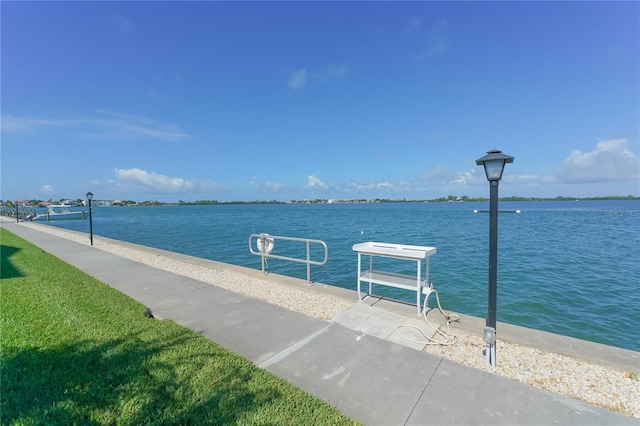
21, 203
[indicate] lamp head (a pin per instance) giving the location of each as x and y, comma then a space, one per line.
89, 196
494, 163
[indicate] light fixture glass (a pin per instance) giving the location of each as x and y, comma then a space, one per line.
493, 169
89, 196
494, 163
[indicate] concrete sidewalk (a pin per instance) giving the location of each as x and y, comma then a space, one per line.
371, 379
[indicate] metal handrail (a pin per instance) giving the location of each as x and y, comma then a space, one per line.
266, 254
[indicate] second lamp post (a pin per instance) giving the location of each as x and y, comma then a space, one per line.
493, 164
90, 197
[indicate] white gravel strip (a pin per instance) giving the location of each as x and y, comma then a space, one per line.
581, 380
585, 381
312, 304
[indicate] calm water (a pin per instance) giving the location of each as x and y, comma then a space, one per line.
571, 268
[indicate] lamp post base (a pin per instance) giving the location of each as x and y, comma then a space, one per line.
489, 353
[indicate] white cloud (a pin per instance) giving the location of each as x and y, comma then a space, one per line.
464, 178
298, 79
153, 182
610, 161
314, 181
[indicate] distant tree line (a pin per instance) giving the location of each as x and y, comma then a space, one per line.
214, 202
564, 198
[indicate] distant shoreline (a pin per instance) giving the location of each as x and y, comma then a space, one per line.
449, 199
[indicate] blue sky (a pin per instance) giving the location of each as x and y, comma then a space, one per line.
229, 101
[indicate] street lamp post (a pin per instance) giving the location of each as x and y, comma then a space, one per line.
493, 164
90, 197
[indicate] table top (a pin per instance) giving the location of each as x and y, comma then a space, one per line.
394, 250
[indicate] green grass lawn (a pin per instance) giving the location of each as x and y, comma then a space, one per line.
75, 351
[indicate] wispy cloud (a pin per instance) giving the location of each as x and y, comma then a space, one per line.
156, 94
363, 185
437, 42
267, 186
13, 124
102, 125
444, 176
298, 79
412, 26
47, 189
123, 25
158, 183
339, 72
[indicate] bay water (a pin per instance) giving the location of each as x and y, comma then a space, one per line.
567, 267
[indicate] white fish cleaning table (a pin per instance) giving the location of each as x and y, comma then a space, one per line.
418, 282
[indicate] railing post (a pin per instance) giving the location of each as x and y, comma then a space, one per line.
262, 251
308, 265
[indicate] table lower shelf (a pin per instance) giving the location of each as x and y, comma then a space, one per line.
403, 281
